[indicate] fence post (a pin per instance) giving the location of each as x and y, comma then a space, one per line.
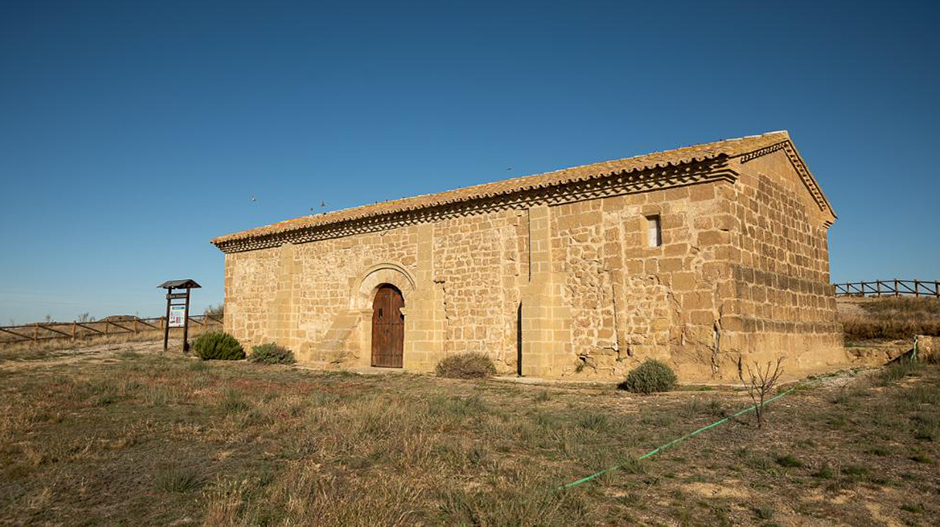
897, 292
73, 330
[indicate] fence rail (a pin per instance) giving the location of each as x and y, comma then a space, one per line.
917, 288
38, 331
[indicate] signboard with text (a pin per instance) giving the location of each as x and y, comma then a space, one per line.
177, 316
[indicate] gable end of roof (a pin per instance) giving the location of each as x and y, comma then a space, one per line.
796, 160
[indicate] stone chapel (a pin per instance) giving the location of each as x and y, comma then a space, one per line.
699, 257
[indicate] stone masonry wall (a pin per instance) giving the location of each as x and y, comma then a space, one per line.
630, 301
477, 260
311, 292
247, 286
741, 273
294, 295
783, 301
324, 277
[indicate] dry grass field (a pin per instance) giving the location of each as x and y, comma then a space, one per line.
65, 347
139, 438
868, 319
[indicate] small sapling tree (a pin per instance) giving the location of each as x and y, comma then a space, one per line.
759, 383
215, 311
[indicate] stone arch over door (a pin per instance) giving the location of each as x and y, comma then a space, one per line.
362, 297
367, 285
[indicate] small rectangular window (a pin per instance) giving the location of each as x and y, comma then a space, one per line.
655, 229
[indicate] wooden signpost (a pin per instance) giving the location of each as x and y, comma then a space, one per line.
177, 315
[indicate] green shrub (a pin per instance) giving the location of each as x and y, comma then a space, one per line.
466, 366
824, 472
649, 377
789, 461
218, 346
271, 354
178, 479
233, 402
855, 470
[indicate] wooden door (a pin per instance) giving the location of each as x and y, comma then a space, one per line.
388, 328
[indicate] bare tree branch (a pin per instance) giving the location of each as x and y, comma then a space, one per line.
759, 383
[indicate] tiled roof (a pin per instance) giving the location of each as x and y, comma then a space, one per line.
709, 151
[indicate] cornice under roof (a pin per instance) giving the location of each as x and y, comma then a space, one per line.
747, 148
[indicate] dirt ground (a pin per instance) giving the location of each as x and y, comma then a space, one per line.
124, 434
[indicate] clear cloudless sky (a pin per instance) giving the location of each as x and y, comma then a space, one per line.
131, 133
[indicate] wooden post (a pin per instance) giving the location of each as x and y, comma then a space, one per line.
897, 292
186, 324
166, 326
73, 330
916, 289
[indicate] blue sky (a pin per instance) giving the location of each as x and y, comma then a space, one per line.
131, 133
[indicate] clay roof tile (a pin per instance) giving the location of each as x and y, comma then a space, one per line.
662, 159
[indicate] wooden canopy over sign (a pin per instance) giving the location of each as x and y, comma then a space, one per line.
170, 286
188, 283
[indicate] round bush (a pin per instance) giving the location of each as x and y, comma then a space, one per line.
466, 366
218, 346
271, 354
649, 377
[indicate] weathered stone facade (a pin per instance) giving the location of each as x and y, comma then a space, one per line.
558, 275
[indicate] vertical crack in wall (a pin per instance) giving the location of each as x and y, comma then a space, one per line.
613, 278
716, 347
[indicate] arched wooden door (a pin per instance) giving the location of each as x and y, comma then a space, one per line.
388, 327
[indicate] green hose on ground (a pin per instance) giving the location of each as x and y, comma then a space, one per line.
679, 440
700, 430
704, 428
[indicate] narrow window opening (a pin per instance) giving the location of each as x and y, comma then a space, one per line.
655, 231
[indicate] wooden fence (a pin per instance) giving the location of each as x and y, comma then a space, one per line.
894, 287
38, 331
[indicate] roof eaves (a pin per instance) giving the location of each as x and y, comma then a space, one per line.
650, 161
372, 211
